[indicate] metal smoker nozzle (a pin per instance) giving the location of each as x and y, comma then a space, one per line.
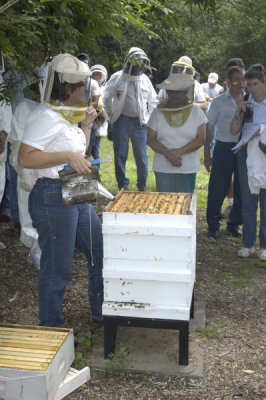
81, 191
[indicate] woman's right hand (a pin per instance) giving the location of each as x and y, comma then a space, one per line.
78, 162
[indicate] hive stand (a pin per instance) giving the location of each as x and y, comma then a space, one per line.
111, 323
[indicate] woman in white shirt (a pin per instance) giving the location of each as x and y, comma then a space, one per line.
51, 139
176, 132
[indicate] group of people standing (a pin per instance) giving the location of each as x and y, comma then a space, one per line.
68, 123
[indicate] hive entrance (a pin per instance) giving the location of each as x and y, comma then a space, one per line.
151, 203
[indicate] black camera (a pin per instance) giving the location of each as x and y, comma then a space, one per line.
248, 114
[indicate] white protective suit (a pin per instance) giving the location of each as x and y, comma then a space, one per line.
5, 121
256, 163
26, 179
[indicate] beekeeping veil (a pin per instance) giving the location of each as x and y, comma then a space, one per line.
102, 70
180, 90
184, 66
64, 68
136, 62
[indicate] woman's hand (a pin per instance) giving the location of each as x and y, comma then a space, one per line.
91, 114
79, 163
174, 157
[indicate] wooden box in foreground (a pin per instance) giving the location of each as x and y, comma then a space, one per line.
33, 361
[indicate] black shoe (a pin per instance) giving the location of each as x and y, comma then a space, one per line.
97, 320
18, 229
213, 233
236, 232
5, 215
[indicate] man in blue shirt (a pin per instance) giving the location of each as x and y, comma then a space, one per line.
224, 162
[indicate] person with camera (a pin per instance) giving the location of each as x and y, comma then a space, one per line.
223, 163
250, 119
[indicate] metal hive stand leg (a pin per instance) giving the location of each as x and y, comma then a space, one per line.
111, 323
109, 335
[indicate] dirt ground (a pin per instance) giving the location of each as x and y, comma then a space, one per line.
233, 339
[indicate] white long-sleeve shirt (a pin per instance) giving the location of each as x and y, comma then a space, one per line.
115, 92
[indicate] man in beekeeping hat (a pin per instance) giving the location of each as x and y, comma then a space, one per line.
129, 99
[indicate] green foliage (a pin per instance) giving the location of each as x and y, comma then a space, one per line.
78, 360
87, 338
209, 332
115, 363
241, 275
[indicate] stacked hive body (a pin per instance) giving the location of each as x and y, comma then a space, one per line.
149, 255
33, 361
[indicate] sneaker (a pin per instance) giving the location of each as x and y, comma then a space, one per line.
245, 252
34, 257
143, 189
262, 254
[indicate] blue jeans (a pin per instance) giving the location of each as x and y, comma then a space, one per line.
95, 150
224, 165
177, 183
212, 144
5, 202
62, 228
10, 197
124, 129
250, 206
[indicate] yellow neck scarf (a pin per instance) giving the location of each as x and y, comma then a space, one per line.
74, 117
177, 118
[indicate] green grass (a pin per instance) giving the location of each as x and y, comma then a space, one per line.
109, 181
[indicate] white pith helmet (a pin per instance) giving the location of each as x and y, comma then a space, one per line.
100, 68
70, 70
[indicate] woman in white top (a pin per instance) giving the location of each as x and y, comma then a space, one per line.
51, 139
176, 132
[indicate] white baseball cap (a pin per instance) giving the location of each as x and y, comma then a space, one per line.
213, 77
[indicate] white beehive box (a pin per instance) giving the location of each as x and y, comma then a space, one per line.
33, 361
149, 255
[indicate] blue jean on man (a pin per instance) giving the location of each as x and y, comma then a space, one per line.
213, 138
95, 150
126, 128
250, 206
10, 197
224, 165
62, 228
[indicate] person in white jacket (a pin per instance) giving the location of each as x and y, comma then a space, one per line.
25, 181
129, 99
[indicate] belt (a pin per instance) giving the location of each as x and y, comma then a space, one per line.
125, 116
